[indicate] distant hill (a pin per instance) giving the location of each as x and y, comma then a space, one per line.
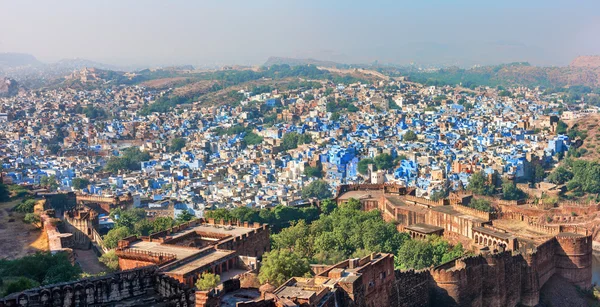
583, 73
13, 60
588, 61
8, 87
296, 62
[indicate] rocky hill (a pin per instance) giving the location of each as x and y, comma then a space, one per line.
295, 62
8, 87
13, 60
588, 61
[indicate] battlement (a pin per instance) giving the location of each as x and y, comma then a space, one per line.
424, 201
157, 258
129, 285
474, 212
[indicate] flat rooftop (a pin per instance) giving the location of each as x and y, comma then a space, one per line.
493, 233
369, 194
203, 260
295, 292
423, 228
157, 247
398, 202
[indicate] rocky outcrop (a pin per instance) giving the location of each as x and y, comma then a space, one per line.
8, 87
589, 61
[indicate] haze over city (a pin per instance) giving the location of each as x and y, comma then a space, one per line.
248, 32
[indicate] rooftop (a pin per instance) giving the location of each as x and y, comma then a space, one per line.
423, 228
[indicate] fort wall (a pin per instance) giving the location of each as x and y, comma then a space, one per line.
131, 285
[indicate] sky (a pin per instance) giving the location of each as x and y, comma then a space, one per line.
247, 32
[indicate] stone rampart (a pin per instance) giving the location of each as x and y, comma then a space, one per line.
109, 290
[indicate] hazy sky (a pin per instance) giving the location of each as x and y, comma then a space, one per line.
148, 32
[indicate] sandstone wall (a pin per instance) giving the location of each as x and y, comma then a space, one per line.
144, 284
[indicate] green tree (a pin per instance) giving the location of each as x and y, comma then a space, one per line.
80, 183
184, 216
409, 136
177, 144
511, 192
252, 138
49, 182
561, 127
560, 175
384, 161
18, 285
316, 171
111, 239
32, 218
208, 281
4, 193
327, 206
420, 254
110, 260
319, 189
127, 218
280, 265
26, 206
478, 184
480, 204
363, 166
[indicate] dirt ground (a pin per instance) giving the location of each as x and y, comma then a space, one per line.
88, 261
18, 239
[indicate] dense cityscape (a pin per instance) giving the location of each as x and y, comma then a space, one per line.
308, 154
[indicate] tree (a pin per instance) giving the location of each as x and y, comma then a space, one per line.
280, 265
310, 171
18, 285
32, 218
252, 138
511, 192
409, 136
177, 144
26, 206
538, 173
80, 183
384, 161
4, 193
480, 204
560, 175
561, 127
110, 260
319, 189
208, 281
420, 254
439, 194
127, 218
184, 216
49, 182
363, 166
111, 239
327, 206
478, 184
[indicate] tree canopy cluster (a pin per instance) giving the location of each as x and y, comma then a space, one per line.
130, 159
34, 270
345, 232
478, 184
511, 192
382, 161
292, 140
134, 222
581, 176
277, 217
318, 189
